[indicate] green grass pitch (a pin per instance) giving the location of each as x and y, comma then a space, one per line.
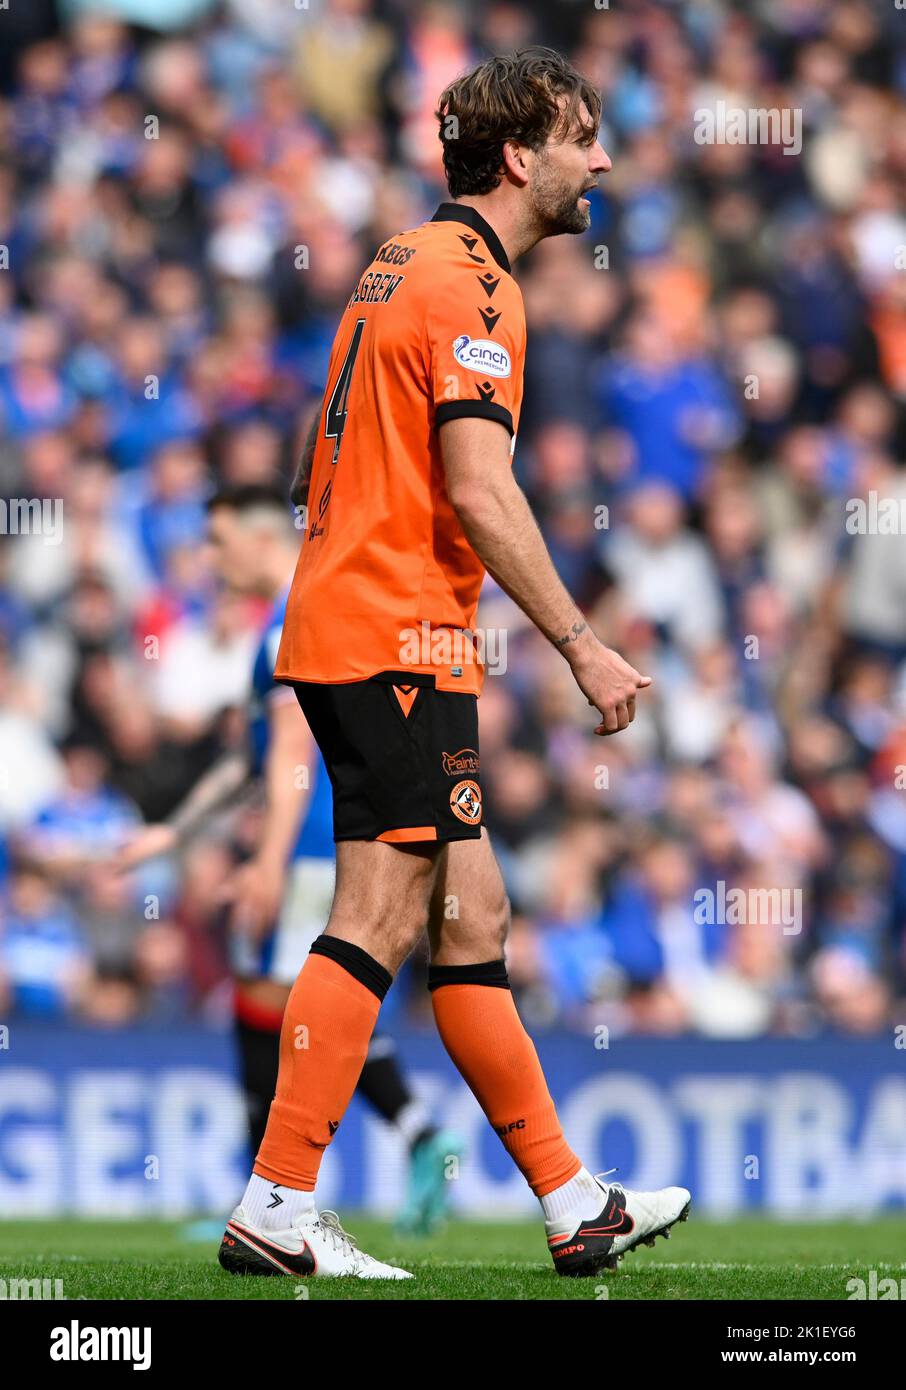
748, 1259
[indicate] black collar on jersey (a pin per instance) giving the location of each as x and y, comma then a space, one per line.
461, 212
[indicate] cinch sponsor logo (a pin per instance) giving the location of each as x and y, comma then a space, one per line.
481, 355
466, 760
76, 1343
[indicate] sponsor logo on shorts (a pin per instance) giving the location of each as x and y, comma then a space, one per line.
466, 760
465, 802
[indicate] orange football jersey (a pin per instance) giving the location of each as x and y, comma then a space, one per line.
386, 580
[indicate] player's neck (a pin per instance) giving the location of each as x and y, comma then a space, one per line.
508, 217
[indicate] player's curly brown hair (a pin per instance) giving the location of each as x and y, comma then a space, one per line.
509, 98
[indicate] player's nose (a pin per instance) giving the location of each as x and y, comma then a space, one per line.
600, 161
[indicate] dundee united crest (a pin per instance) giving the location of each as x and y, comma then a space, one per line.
465, 802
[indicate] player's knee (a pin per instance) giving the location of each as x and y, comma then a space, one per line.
498, 927
389, 938
408, 931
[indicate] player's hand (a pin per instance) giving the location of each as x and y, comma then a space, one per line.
255, 890
147, 842
610, 684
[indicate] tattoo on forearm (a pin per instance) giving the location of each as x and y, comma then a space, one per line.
299, 490
573, 635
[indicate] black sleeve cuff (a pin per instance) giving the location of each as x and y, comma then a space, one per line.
483, 410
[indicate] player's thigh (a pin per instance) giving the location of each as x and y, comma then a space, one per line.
382, 896
266, 967
470, 911
403, 764
303, 916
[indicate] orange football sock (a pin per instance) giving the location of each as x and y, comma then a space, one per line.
481, 1030
330, 1016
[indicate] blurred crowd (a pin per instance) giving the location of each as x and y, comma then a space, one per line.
715, 371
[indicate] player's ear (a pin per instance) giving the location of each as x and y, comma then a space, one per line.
515, 159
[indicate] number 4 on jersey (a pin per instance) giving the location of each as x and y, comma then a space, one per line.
338, 405
335, 421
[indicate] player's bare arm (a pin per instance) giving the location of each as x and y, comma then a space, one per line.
498, 522
214, 789
256, 888
298, 493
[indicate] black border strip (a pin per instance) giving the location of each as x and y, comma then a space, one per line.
482, 410
362, 967
471, 217
488, 972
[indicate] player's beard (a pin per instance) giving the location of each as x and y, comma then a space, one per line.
555, 202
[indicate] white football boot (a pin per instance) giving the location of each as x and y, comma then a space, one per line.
315, 1244
588, 1241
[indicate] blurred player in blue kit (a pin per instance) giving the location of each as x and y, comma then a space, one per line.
281, 896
